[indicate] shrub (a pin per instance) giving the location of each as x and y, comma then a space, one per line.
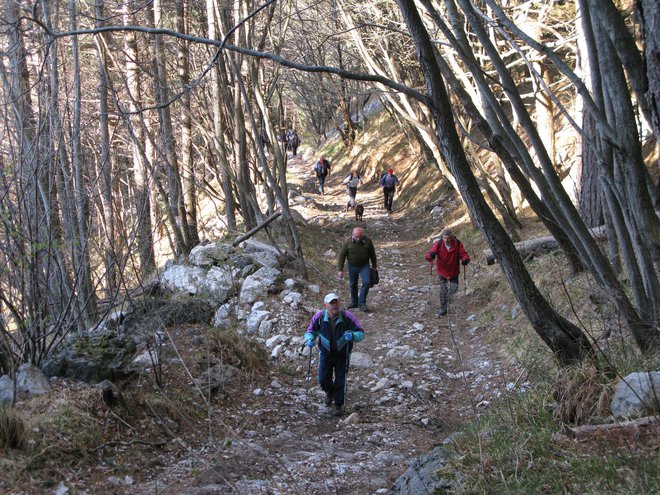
12, 429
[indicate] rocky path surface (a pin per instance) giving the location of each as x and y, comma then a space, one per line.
414, 380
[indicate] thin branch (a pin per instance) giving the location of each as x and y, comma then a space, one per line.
355, 76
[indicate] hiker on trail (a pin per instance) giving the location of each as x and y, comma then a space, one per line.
337, 329
294, 143
322, 169
449, 254
389, 182
359, 251
352, 182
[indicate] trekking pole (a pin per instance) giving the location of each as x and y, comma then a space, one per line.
431, 286
309, 371
465, 280
348, 362
309, 366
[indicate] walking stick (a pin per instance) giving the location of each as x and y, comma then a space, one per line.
309, 366
431, 285
348, 361
465, 280
309, 372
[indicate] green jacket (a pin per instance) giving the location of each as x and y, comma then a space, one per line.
357, 253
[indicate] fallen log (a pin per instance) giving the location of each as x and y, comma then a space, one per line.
256, 229
541, 245
636, 425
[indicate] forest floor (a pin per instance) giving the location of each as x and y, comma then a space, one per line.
429, 377
418, 391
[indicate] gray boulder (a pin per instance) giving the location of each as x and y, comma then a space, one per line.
210, 254
6, 389
423, 476
181, 278
214, 380
93, 358
214, 283
361, 360
262, 254
219, 284
223, 316
637, 395
29, 380
257, 285
32, 380
254, 320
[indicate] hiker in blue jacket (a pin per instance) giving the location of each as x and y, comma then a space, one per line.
322, 169
337, 329
389, 182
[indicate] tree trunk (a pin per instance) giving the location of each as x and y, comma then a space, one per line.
212, 10
166, 151
105, 167
144, 235
86, 297
189, 195
649, 20
566, 341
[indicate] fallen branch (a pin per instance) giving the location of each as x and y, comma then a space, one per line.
587, 431
128, 444
256, 229
541, 245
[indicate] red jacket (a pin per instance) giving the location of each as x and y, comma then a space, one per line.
448, 260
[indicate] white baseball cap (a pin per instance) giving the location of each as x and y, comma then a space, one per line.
330, 297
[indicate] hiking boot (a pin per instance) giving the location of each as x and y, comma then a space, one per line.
353, 305
363, 307
441, 312
338, 410
328, 399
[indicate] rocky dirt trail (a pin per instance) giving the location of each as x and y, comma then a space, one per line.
414, 380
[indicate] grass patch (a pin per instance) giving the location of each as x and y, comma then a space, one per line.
13, 432
64, 432
581, 393
238, 350
518, 447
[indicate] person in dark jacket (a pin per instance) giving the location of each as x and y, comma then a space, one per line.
389, 182
359, 251
448, 253
322, 169
337, 330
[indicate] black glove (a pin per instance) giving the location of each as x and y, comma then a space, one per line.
432, 255
465, 262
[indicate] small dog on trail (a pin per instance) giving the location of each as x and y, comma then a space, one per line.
359, 211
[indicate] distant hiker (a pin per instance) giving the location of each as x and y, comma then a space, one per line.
352, 182
359, 251
448, 253
389, 182
338, 329
294, 142
322, 169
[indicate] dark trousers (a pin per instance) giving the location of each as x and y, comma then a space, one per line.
355, 272
388, 193
448, 286
321, 183
330, 364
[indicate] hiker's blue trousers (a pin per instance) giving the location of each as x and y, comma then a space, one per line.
363, 272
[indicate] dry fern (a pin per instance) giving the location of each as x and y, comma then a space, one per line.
581, 394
